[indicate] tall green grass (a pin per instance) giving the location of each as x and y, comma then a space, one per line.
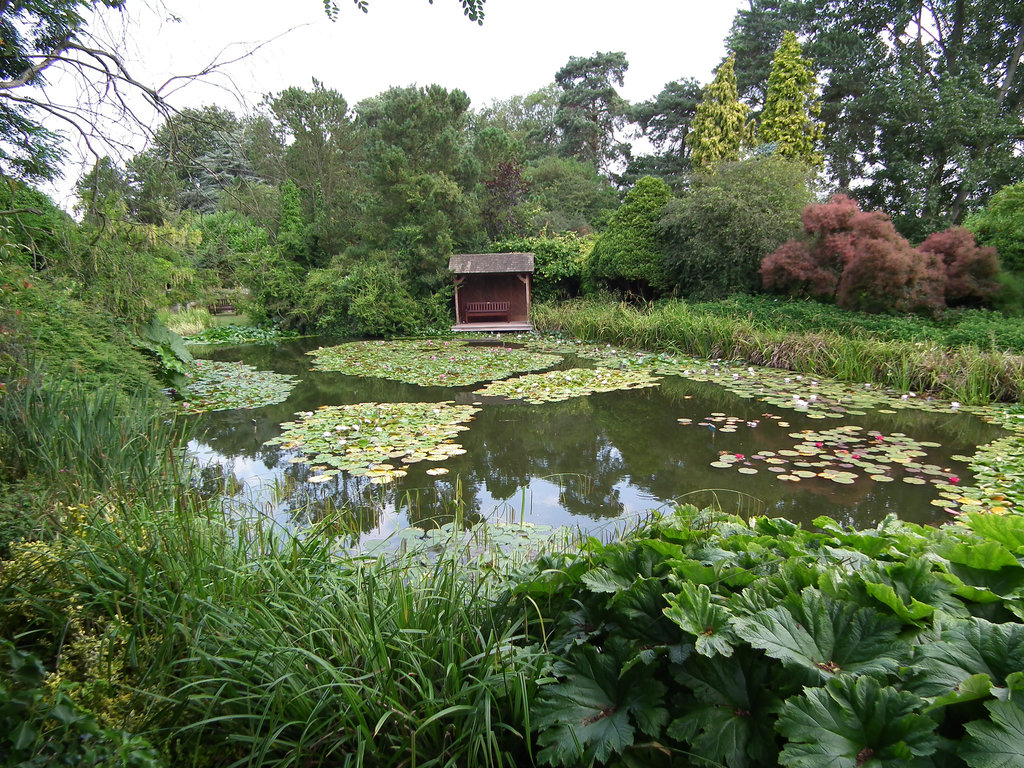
229, 642
966, 374
79, 440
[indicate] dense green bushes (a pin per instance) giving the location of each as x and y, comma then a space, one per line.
707, 640
716, 235
627, 256
1001, 224
558, 262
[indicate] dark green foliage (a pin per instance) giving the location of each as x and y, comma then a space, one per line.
666, 121
224, 237
567, 195
424, 174
784, 654
37, 231
292, 230
44, 321
41, 727
921, 102
628, 256
1001, 224
360, 300
590, 109
718, 232
274, 283
558, 263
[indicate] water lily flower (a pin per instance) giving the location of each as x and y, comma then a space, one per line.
954, 405
904, 397
954, 479
738, 456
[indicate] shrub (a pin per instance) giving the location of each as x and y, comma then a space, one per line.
970, 270
716, 236
858, 260
274, 283
558, 262
1001, 225
368, 299
628, 257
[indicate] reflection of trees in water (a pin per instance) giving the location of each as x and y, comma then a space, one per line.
589, 447
356, 504
511, 445
448, 501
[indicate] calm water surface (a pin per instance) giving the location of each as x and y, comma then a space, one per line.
594, 462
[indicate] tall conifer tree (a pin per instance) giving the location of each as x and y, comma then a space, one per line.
791, 107
720, 125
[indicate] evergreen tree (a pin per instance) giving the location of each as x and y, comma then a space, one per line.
788, 120
720, 126
590, 110
628, 256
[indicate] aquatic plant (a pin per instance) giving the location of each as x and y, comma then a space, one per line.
364, 438
221, 386
429, 362
561, 385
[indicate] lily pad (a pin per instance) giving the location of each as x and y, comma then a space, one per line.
223, 386
429, 362
363, 438
562, 385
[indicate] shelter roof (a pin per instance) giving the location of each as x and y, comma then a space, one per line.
490, 263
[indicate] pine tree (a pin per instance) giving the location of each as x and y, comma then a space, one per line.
790, 109
720, 126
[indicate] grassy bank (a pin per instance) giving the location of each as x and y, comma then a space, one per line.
967, 373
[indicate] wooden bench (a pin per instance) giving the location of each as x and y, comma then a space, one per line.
491, 309
221, 309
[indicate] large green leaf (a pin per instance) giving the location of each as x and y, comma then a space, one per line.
965, 648
592, 712
999, 741
826, 637
693, 610
855, 722
731, 710
1008, 530
910, 589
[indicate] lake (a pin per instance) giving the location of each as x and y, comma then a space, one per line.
596, 462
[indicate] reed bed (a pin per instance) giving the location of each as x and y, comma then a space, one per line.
966, 374
230, 642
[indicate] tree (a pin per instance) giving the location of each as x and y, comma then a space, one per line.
1001, 224
529, 121
423, 174
590, 110
324, 151
39, 37
719, 127
666, 121
716, 235
628, 256
921, 101
970, 270
788, 120
567, 195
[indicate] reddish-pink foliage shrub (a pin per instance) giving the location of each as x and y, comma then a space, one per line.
794, 270
970, 270
856, 259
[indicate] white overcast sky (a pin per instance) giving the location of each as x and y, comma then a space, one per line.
518, 49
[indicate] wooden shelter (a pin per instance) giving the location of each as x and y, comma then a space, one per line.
492, 291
